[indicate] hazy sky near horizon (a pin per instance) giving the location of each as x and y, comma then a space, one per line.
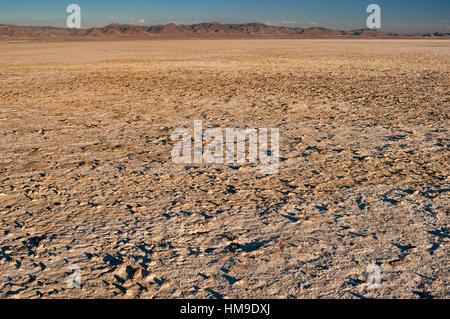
407, 16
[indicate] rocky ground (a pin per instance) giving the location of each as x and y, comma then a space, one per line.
86, 176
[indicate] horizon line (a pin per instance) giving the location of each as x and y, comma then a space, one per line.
223, 23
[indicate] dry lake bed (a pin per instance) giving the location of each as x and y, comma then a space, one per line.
87, 180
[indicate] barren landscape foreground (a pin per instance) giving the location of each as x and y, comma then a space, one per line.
86, 176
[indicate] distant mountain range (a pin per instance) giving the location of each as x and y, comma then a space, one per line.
200, 30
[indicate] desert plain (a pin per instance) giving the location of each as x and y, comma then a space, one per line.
86, 176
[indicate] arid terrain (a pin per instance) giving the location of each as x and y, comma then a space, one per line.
209, 30
86, 176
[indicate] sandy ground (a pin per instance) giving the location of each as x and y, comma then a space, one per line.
86, 176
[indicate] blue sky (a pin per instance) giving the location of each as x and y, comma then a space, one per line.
397, 15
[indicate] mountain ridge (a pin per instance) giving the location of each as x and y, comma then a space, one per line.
200, 30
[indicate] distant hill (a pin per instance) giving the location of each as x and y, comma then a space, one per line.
199, 30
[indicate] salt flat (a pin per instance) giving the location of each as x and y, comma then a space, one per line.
87, 179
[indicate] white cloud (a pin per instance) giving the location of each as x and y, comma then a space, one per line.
293, 23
